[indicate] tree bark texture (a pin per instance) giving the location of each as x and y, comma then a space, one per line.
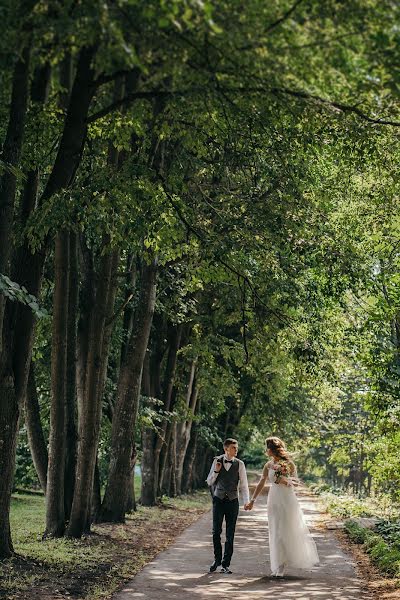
126, 407
90, 417
183, 429
19, 323
55, 510
36, 439
11, 154
187, 481
71, 402
164, 434
8, 435
9, 406
152, 388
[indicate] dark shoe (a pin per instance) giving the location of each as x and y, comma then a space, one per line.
226, 570
214, 566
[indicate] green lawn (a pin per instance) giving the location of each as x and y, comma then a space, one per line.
94, 566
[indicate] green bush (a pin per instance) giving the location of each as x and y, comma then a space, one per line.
347, 506
356, 533
390, 531
385, 554
319, 488
25, 474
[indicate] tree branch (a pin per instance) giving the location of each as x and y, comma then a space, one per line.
103, 78
130, 98
158, 93
346, 108
284, 17
241, 276
120, 310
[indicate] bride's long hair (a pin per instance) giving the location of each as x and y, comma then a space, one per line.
278, 448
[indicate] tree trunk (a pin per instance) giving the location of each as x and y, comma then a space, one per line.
71, 408
169, 467
55, 513
183, 430
8, 435
166, 460
9, 405
11, 154
149, 469
96, 495
15, 357
86, 302
36, 440
126, 407
71, 433
161, 446
14, 369
131, 501
152, 389
90, 418
19, 320
127, 322
187, 484
75, 128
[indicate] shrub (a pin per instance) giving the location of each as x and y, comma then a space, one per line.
384, 553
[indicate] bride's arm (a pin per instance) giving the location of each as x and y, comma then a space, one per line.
259, 487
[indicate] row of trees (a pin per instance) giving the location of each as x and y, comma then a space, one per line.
174, 186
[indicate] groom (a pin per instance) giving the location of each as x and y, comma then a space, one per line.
226, 477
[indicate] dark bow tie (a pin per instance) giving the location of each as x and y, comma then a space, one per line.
229, 461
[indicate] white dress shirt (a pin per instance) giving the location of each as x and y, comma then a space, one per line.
243, 485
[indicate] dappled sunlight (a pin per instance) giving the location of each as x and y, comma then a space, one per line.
181, 572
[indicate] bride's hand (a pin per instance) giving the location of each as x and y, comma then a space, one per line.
286, 481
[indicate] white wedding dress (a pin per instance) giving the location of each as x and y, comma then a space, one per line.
290, 542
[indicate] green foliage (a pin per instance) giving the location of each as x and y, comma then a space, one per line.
248, 164
345, 506
390, 531
18, 293
385, 553
25, 474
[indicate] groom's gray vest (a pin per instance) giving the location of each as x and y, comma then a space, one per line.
226, 485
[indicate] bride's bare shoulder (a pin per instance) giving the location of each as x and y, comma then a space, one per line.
268, 465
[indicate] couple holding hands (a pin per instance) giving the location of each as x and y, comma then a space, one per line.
290, 542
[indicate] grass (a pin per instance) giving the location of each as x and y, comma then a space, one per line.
384, 551
95, 566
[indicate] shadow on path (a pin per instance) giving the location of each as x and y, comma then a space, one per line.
181, 571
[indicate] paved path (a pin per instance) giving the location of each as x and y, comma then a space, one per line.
181, 571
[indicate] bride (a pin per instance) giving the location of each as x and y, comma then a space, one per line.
290, 542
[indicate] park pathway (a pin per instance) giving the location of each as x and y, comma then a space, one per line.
181, 571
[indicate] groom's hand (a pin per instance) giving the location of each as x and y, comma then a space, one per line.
249, 505
218, 466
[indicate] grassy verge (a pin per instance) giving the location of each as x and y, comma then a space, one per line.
382, 544
95, 566
377, 550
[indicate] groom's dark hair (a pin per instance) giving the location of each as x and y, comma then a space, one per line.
229, 441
